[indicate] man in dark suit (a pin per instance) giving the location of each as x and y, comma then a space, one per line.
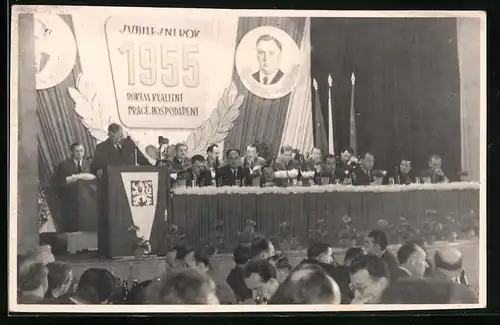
196, 175
376, 243
403, 174
330, 170
233, 174
68, 173
269, 57
434, 174
362, 175
116, 151
412, 262
180, 161
315, 158
285, 161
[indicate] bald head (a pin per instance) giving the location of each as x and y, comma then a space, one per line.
448, 258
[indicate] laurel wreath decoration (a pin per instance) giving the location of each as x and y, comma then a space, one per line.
218, 124
89, 110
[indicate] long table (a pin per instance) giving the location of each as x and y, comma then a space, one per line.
197, 211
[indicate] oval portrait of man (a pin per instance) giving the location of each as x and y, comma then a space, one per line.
55, 50
268, 62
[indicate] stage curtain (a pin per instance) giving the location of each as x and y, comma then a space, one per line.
469, 59
59, 127
300, 108
407, 86
261, 120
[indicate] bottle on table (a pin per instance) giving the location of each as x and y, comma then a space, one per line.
135, 283
125, 289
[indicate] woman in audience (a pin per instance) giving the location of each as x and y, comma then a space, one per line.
32, 282
60, 280
310, 284
96, 286
186, 287
260, 278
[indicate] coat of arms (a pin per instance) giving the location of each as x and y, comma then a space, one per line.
142, 193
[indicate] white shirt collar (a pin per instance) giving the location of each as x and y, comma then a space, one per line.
77, 161
405, 269
270, 77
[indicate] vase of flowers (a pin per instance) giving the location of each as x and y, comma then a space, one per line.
348, 235
284, 241
433, 229
319, 233
248, 234
215, 241
142, 246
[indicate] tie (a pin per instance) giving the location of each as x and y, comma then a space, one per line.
265, 80
79, 167
119, 149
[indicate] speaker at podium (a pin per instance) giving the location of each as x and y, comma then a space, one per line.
132, 203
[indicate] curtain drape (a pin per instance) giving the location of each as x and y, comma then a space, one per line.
469, 58
298, 130
59, 127
261, 120
407, 86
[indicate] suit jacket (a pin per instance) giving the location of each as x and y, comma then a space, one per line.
281, 165
107, 155
275, 80
259, 161
309, 165
205, 178
435, 179
175, 165
404, 179
338, 175
361, 178
400, 273
225, 176
236, 281
392, 264
68, 168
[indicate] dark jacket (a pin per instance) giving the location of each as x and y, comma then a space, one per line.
204, 179
68, 168
281, 165
361, 178
336, 176
392, 264
400, 273
275, 80
106, 154
236, 281
226, 177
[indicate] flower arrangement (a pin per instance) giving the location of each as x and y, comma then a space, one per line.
215, 241
319, 232
285, 240
248, 234
451, 227
348, 235
43, 207
140, 243
469, 223
173, 237
432, 229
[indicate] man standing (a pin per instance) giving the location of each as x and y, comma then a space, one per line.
212, 161
233, 174
362, 175
68, 174
180, 162
197, 174
116, 151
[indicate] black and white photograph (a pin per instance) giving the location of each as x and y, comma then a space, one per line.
220, 160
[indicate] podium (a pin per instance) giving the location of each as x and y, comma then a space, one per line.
130, 196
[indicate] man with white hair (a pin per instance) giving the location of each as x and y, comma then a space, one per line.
448, 264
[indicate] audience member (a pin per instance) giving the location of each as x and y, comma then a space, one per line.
138, 295
32, 283
96, 286
283, 267
427, 291
430, 264
308, 285
448, 265
412, 262
261, 249
369, 278
186, 287
236, 277
60, 281
352, 253
260, 278
376, 243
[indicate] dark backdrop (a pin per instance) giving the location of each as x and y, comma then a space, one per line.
407, 86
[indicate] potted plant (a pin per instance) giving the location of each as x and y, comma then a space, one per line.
405, 231
470, 224
248, 234
141, 246
319, 233
215, 241
389, 229
433, 229
285, 241
348, 235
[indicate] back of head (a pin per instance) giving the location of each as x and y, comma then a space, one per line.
186, 287
376, 267
96, 285
139, 293
405, 252
259, 245
60, 275
32, 276
352, 253
263, 268
379, 237
307, 286
317, 249
448, 258
427, 291
241, 254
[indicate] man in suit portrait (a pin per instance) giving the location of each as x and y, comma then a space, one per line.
269, 57
233, 174
116, 151
67, 175
197, 174
362, 174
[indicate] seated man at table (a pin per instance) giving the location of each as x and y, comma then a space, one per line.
213, 161
252, 159
180, 161
70, 171
285, 161
362, 175
267, 178
197, 175
233, 174
403, 174
434, 174
329, 170
347, 160
315, 158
